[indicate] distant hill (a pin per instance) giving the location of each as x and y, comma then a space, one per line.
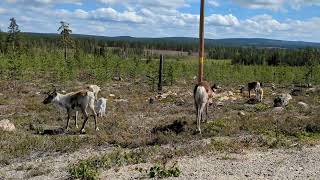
228, 42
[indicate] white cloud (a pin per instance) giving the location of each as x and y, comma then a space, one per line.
297, 4
264, 24
36, 3
261, 4
277, 5
222, 20
3, 10
168, 4
214, 3
144, 18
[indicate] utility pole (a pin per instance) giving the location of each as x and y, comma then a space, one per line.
201, 42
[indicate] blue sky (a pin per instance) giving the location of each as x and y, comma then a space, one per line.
276, 19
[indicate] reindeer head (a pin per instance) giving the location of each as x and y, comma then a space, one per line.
50, 97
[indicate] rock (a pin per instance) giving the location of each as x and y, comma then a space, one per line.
112, 95
312, 90
180, 102
215, 87
151, 100
219, 103
282, 100
277, 109
117, 78
121, 100
303, 105
1, 94
6, 125
296, 92
241, 113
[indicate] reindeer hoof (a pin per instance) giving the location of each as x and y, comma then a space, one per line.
77, 127
97, 129
83, 131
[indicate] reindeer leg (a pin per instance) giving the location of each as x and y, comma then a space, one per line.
68, 119
76, 119
85, 115
201, 113
198, 119
207, 115
91, 106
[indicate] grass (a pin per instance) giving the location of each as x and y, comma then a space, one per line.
89, 168
129, 125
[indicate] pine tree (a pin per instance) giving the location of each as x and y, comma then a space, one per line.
13, 35
66, 40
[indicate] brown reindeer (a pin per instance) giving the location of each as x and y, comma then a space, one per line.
71, 101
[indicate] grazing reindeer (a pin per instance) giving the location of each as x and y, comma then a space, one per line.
95, 89
101, 106
70, 101
253, 86
203, 98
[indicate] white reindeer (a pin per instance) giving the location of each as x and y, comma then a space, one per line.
259, 94
202, 98
101, 106
71, 101
95, 89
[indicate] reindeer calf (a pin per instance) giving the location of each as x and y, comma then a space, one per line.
259, 94
203, 98
71, 101
101, 106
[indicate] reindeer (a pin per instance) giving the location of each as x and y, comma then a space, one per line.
202, 94
259, 94
80, 99
101, 106
254, 86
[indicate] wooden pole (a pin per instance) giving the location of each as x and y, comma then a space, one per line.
201, 42
160, 73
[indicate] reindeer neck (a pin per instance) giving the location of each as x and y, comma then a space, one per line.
60, 100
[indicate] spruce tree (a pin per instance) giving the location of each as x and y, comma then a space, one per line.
66, 40
13, 36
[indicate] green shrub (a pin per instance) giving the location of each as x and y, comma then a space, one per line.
161, 171
86, 169
89, 168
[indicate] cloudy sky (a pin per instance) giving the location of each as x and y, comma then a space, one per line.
276, 19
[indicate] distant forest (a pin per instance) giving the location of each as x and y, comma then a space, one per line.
241, 51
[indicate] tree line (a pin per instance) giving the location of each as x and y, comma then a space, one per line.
13, 41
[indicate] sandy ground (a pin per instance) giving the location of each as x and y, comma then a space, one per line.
251, 164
